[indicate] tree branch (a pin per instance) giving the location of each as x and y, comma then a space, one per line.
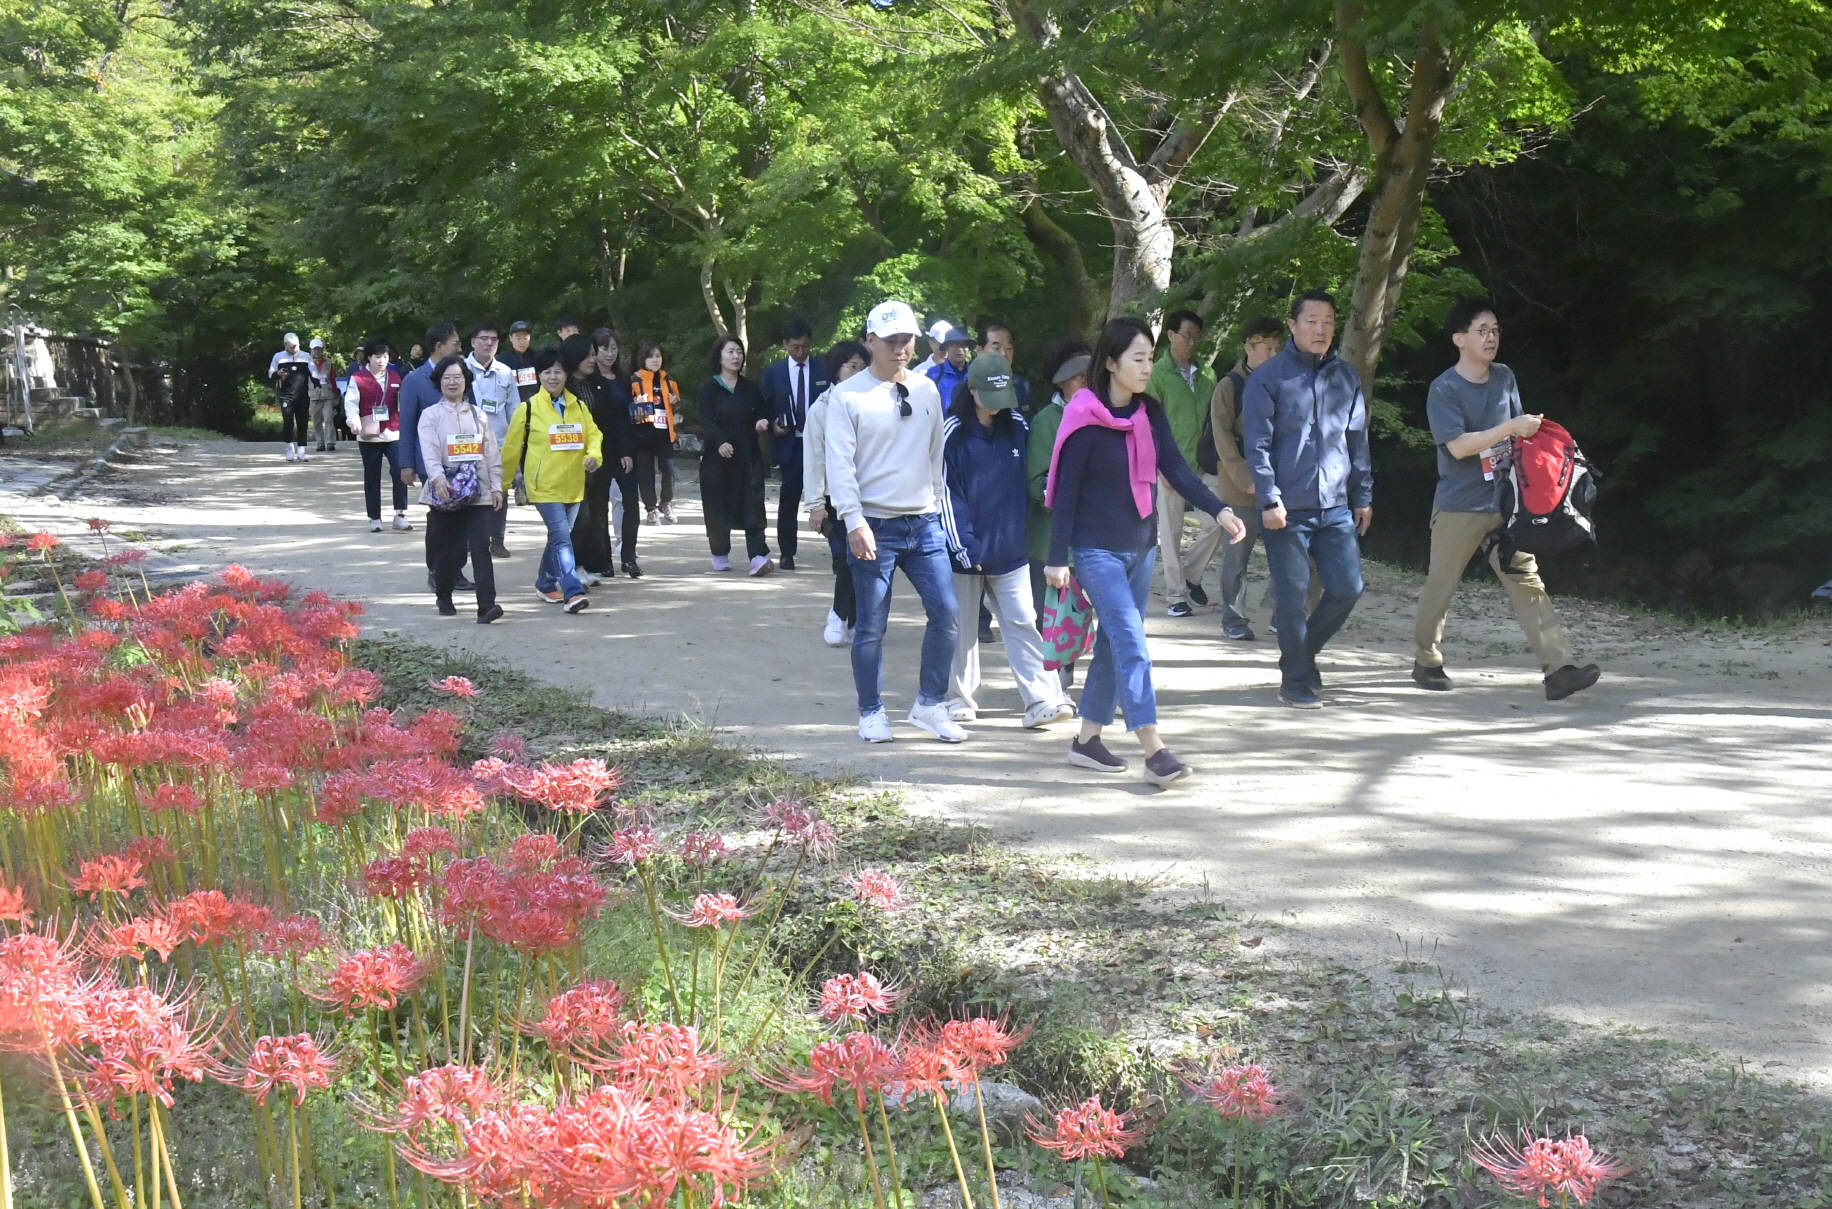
1370, 107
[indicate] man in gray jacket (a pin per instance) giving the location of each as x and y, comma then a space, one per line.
1306, 436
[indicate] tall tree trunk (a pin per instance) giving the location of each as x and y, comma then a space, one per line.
133, 388
1132, 190
1403, 156
712, 299
741, 327
1086, 311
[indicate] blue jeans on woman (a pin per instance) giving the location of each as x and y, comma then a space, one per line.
557, 567
1327, 535
1119, 587
918, 546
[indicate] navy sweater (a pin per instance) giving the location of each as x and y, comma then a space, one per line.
1093, 506
985, 510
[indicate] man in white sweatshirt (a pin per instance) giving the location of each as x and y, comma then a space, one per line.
884, 475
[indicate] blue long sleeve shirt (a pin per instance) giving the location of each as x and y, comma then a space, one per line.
1094, 508
1304, 424
417, 394
985, 509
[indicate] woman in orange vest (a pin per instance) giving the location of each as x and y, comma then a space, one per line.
657, 400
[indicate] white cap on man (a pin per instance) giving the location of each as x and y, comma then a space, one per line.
317, 342
892, 318
938, 331
291, 340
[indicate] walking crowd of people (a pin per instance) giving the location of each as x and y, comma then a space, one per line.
995, 511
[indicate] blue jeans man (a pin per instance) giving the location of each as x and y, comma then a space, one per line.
1326, 536
917, 545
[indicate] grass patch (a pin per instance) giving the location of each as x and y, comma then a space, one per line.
1125, 982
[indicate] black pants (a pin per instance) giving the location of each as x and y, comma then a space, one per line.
592, 544
632, 517
449, 536
647, 462
296, 417
788, 510
374, 454
731, 496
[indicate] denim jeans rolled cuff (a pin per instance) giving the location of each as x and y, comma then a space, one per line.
1327, 537
558, 569
917, 545
1119, 675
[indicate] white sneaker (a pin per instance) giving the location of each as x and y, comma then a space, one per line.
836, 633
1047, 712
289, 452
401, 523
302, 453
590, 579
935, 720
960, 711
875, 727
375, 526
761, 565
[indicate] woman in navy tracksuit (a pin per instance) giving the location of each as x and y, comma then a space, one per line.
985, 512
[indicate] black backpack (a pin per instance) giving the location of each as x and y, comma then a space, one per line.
1207, 459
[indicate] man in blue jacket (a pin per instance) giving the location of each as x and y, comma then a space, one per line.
985, 514
419, 392
1305, 422
790, 387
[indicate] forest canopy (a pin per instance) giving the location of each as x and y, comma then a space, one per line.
1641, 184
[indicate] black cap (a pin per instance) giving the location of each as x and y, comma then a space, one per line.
520, 325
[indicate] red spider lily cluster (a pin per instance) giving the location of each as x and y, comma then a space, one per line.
1240, 1092
1543, 1168
1086, 1130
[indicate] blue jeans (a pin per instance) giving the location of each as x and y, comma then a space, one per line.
1119, 587
1327, 536
557, 567
918, 546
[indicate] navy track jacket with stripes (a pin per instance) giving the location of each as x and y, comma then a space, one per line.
985, 509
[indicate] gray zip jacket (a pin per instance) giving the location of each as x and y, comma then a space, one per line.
1305, 426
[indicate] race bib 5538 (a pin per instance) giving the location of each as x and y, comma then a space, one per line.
562, 437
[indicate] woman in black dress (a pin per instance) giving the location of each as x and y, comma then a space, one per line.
591, 533
732, 412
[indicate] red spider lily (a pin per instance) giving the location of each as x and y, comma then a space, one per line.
510, 747
150, 850
858, 1060
584, 1016
535, 931
145, 1042
174, 797
42, 541
712, 911
702, 848
394, 877
294, 936
98, 525
212, 918
1545, 1166
662, 1058
12, 905
576, 788
456, 686
423, 842
44, 998
1239, 1093
928, 1068
374, 978
449, 1094
1085, 1130
91, 581
980, 1042
294, 1062
130, 557
534, 852
130, 940
877, 889
108, 875
855, 997
786, 814
632, 845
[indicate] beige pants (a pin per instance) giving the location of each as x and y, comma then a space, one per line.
1181, 568
1455, 538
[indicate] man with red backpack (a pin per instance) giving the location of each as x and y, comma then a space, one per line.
1475, 413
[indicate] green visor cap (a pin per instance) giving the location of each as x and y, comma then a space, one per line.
990, 376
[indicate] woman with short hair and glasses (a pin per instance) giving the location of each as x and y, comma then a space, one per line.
1103, 495
732, 412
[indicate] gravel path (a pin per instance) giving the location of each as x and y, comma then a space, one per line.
1653, 851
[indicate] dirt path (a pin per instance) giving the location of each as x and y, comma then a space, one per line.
1653, 851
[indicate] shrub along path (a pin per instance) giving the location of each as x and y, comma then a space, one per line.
1651, 852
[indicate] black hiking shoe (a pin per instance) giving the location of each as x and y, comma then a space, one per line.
1094, 754
1433, 678
1570, 679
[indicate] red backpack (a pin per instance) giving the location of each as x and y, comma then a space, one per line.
1546, 493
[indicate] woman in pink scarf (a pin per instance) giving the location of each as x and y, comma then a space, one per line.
1113, 444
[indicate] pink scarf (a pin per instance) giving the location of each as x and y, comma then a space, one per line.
1086, 409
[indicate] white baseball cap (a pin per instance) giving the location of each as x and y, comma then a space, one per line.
892, 318
290, 338
939, 330
317, 342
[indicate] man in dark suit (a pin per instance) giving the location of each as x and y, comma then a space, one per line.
790, 385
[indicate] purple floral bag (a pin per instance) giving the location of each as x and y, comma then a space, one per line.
1067, 625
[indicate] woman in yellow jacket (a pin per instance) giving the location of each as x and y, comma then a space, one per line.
566, 446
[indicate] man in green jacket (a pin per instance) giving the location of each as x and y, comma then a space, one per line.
1184, 388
